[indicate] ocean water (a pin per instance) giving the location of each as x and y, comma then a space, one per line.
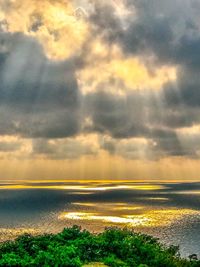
169, 211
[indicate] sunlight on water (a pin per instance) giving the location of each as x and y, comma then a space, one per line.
123, 213
82, 187
140, 220
170, 211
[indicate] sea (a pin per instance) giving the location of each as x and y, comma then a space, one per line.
167, 210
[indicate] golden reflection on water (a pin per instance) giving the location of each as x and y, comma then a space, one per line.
157, 198
82, 187
84, 204
125, 214
110, 219
166, 217
113, 206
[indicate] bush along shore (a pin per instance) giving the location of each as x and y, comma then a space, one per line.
74, 247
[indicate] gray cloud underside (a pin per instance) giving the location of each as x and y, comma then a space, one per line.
9, 146
40, 98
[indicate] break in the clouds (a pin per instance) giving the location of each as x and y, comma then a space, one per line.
122, 74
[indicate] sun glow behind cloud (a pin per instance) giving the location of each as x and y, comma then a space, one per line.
127, 74
54, 24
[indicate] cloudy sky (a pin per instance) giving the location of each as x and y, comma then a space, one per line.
99, 89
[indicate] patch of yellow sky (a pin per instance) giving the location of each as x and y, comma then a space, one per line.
24, 164
100, 167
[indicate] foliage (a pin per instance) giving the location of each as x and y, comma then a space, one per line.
73, 248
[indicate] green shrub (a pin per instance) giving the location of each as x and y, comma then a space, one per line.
113, 261
74, 248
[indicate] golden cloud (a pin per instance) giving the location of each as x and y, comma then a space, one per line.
55, 24
106, 64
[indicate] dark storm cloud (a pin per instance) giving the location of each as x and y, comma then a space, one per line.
106, 22
117, 115
186, 92
141, 35
133, 115
38, 97
149, 36
169, 30
29, 78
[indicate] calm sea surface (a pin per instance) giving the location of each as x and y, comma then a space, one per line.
169, 211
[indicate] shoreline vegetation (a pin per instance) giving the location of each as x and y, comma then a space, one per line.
74, 247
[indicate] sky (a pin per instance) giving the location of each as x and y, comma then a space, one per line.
97, 89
